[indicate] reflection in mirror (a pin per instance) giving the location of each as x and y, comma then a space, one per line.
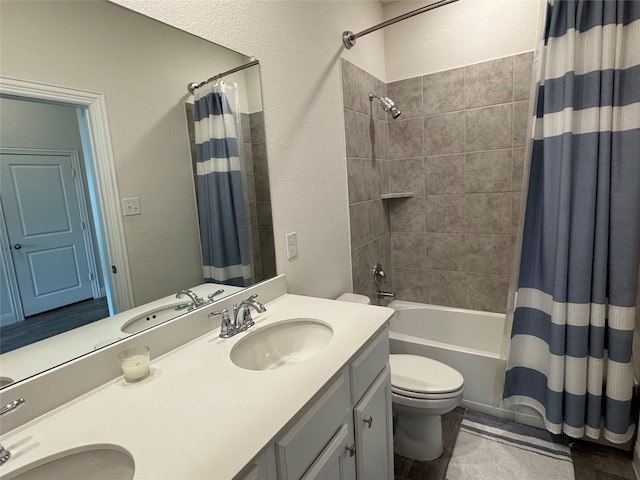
49, 184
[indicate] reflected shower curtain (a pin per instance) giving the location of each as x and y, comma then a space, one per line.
572, 333
225, 229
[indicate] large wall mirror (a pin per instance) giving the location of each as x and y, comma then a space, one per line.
141, 68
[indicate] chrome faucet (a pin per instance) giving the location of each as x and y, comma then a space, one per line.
241, 316
196, 301
10, 407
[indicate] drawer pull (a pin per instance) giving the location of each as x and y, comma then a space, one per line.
368, 421
351, 450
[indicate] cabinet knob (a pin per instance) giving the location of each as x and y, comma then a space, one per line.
368, 421
351, 449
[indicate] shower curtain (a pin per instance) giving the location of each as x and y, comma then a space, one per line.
225, 229
572, 333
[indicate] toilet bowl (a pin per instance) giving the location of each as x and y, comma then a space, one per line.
422, 390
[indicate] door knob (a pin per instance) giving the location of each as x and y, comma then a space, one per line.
368, 421
351, 449
17, 246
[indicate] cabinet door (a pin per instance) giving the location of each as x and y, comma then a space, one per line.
262, 468
336, 460
373, 428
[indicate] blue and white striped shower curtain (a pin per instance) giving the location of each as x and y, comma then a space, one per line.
225, 229
571, 342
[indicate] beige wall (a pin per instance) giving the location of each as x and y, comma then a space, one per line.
143, 73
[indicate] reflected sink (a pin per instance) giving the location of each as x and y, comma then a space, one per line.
281, 344
97, 462
151, 318
4, 381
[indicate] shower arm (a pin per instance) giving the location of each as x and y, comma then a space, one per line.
349, 38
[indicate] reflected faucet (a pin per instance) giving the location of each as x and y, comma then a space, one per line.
196, 301
4, 453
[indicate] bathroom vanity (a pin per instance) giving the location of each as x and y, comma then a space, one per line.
323, 411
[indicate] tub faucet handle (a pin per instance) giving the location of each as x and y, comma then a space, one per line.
378, 274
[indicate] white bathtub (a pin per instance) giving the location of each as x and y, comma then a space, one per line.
467, 340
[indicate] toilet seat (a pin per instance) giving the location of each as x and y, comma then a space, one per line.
418, 377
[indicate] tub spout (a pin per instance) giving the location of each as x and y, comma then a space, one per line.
387, 295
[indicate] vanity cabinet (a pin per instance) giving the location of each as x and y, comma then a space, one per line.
346, 434
317, 443
371, 397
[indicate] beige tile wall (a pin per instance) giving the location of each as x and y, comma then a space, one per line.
459, 147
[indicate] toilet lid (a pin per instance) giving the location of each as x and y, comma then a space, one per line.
414, 373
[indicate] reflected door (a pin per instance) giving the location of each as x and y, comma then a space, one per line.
41, 204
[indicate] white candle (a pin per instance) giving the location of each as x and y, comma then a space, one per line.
136, 367
135, 363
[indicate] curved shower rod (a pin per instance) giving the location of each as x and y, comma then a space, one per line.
349, 38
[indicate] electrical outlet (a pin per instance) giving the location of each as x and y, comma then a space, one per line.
131, 206
292, 245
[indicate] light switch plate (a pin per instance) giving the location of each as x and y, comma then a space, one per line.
292, 245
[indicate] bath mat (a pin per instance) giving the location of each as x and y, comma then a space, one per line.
495, 449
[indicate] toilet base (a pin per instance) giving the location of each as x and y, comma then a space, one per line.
418, 438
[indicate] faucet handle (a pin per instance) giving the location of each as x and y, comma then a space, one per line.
9, 407
226, 329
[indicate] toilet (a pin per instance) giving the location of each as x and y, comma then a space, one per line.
422, 390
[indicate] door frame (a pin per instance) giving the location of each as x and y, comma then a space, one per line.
6, 262
101, 172
78, 181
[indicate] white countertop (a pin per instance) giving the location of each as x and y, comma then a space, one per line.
198, 415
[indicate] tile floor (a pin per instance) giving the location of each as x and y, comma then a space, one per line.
591, 461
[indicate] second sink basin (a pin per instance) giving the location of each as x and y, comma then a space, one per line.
96, 462
284, 343
151, 318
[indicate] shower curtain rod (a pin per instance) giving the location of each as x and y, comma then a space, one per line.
193, 85
349, 38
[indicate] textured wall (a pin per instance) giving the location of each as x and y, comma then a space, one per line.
458, 34
298, 44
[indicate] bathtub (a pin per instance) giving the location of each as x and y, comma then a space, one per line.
466, 340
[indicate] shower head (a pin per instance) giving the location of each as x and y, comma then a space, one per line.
387, 104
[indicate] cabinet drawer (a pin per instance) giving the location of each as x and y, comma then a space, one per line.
300, 446
368, 365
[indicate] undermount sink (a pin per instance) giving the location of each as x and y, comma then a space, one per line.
151, 318
281, 344
96, 462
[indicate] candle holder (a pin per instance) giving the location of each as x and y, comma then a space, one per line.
135, 363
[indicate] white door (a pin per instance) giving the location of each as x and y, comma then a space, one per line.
46, 230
